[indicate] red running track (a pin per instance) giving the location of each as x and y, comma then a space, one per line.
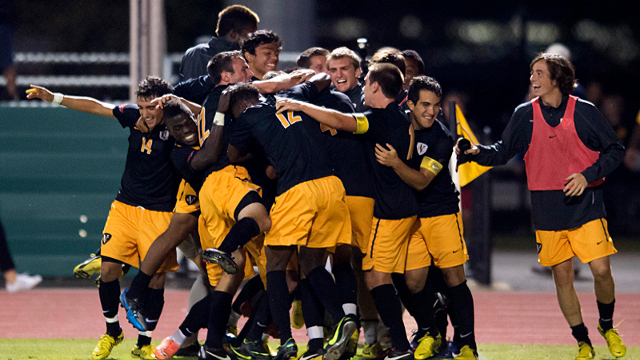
501, 317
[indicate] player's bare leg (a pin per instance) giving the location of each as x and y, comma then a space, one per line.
605, 295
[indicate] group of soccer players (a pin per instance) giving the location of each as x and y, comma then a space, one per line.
282, 171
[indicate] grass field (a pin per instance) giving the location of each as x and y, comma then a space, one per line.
71, 349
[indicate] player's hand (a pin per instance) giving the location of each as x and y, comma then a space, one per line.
284, 104
223, 102
302, 75
465, 151
38, 92
160, 101
575, 185
142, 125
271, 172
387, 157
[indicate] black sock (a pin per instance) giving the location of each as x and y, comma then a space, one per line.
139, 287
314, 345
312, 309
462, 304
580, 333
249, 290
262, 320
220, 308
325, 289
153, 308
143, 340
419, 305
390, 311
279, 303
248, 325
241, 233
198, 316
346, 283
110, 300
606, 315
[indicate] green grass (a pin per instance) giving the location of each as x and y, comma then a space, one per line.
71, 349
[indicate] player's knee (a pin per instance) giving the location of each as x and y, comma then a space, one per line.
264, 222
110, 270
414, 284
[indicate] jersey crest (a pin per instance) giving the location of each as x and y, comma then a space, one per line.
164, 135
422, 148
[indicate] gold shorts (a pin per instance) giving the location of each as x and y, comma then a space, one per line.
361, 213
130, 231
312, 214
589, 242
388, 243
187, 200
439, 238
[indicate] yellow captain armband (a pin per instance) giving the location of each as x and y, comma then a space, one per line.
431, 165
362, 123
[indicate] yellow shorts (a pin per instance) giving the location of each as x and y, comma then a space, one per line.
220, 195
255, 248
388, 243
130, 231
187, 200
439, 238
311, 214
589, 242
361, 213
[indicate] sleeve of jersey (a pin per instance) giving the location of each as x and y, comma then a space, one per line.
127, 115
304, 92
431, 165
195, 89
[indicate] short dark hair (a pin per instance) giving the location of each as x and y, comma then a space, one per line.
237, 18
258, 38
419, 83
390, 56
345, 52
388, 76
304, 59
172, 108
222, 62
242, 93
412, 54
560, 70
152, 87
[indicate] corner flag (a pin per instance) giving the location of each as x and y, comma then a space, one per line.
467, 171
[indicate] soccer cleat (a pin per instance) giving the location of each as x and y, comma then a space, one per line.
287, 351
297, 321
428, 346
415, 338
253, 350
467, 353
352, 346
143, 352
215, 256
89, 267
105, 345
211, 354
372, 351
447, 350
394, 354
167, 348
615, 344
134, 313
316, 355
585, 351
341, 334
23, 282
188, 351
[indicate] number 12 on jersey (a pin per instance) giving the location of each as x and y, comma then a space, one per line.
289, 120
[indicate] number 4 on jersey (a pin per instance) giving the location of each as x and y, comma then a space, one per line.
289, 120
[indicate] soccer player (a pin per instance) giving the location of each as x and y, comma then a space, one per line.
309, 211
414, 66
14, 282
262, 50
344, 68
235, 22
393, 56
440, 235
142, 209
569, 148
314, 58
395, 208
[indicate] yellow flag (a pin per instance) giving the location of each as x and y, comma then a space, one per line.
468, 171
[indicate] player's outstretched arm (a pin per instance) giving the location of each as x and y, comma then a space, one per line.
329, 117
80, 103
283, 82
416, 179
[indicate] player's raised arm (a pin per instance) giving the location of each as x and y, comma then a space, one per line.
80, 103
331, 118
284, 81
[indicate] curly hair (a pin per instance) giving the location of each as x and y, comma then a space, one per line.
258, 38
152, 87
560, 70
419, 83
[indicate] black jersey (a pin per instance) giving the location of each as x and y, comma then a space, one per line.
181, 157
356, 95
149, 178
440, 197
292, 140
393, 198
347, 151
205, 123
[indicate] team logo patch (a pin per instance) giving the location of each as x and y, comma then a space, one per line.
422, 148
164, 135
191, 199
105, 238
539, 246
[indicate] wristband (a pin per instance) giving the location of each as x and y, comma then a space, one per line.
218, 119
57, 98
